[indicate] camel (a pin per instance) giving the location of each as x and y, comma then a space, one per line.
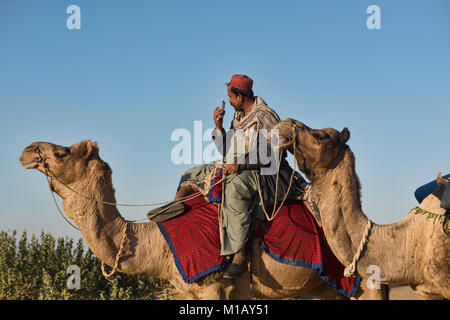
414, 251
147, 252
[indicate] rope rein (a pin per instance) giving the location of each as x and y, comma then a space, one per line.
189, 197
115, 203
275, 210
50, 182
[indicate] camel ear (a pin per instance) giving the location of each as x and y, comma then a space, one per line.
345, 135
87, 148
95, 148
83, 149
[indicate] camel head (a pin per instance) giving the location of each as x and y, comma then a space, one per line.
316, 149
69, 164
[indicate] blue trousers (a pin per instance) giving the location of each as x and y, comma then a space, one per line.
425, 190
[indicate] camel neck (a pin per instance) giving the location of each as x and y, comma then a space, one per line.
337, 193
100, 224
102, 227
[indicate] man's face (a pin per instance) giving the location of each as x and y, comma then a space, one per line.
235, 100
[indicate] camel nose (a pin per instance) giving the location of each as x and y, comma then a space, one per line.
30, 156
24, 153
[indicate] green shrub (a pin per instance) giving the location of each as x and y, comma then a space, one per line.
37, 269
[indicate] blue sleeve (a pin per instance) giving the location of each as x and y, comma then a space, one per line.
425, 190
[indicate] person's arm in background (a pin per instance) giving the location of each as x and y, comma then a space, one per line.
424, 191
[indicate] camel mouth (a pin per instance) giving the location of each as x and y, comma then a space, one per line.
283, 143
29, 164
283, 140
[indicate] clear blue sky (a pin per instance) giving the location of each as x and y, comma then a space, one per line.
137, 70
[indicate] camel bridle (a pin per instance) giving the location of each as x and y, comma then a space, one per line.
41, 159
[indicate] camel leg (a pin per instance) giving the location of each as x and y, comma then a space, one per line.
366, 293
424, 292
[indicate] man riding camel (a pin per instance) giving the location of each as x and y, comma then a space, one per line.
245, 182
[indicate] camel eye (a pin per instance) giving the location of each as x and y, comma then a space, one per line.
61, 153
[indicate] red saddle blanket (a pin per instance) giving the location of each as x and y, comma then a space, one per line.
293, 237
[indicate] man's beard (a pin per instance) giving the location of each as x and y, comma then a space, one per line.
238, 107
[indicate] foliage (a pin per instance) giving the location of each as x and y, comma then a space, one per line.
38, 269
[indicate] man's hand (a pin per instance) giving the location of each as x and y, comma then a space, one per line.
230, 169
218, 118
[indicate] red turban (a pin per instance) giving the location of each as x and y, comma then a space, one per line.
241, 82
